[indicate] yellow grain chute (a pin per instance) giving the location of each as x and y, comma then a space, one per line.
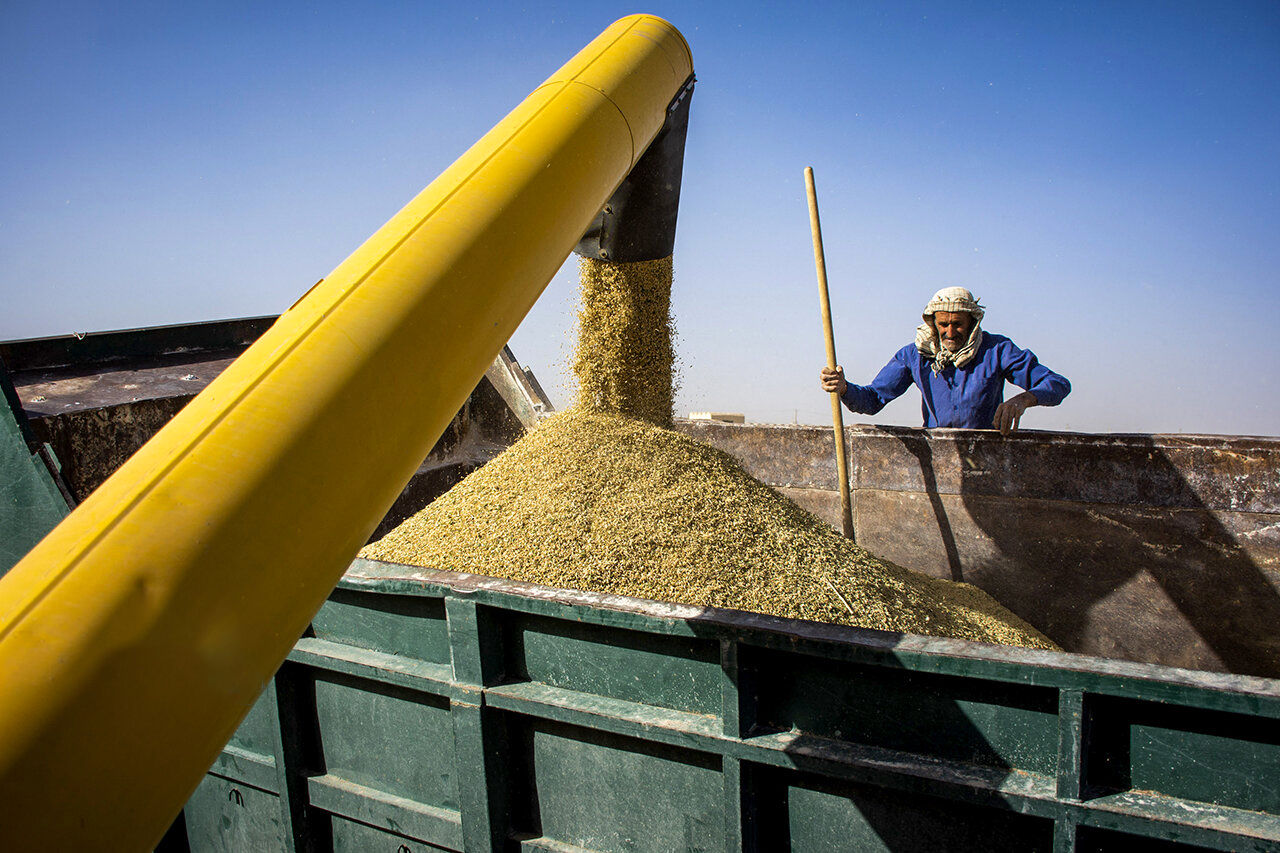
135, 637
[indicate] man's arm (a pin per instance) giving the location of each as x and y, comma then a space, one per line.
1043, 386
893, 379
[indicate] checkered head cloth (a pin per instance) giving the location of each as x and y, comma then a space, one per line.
953, 300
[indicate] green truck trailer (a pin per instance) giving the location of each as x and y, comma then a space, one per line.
430, 710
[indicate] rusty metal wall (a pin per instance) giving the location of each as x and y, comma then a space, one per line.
1155, 548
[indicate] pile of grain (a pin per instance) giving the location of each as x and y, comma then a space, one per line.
604, 503
625, 353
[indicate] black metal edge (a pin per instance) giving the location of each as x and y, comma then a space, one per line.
100, 347
638, 222
1144, 440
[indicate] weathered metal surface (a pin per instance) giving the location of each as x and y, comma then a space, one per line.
94, 442
1181, 587
1238, 473
57, 391
518, 389
784, 456
1163, 549
473, 713
1202, 472
491, 416
823, 503
97, 398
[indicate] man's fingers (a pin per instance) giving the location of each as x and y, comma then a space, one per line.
1008, 417
832, 379
1005, 420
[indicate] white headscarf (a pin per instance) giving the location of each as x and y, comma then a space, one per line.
952, 300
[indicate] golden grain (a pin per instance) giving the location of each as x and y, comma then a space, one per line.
624, 356
604, 503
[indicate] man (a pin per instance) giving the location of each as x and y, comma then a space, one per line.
960, 370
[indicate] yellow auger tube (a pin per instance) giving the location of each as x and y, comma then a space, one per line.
135, 637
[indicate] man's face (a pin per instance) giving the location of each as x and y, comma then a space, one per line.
953, 328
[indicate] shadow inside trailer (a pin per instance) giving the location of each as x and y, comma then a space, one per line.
1153, 574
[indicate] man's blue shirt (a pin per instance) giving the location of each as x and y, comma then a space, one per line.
964, 397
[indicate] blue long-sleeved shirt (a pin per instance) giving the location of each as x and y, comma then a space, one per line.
964, 397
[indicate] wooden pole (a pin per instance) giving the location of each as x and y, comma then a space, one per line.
837, 416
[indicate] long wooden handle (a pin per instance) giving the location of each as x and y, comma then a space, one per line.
837, 416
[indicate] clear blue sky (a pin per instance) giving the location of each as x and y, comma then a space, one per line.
1105, 176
